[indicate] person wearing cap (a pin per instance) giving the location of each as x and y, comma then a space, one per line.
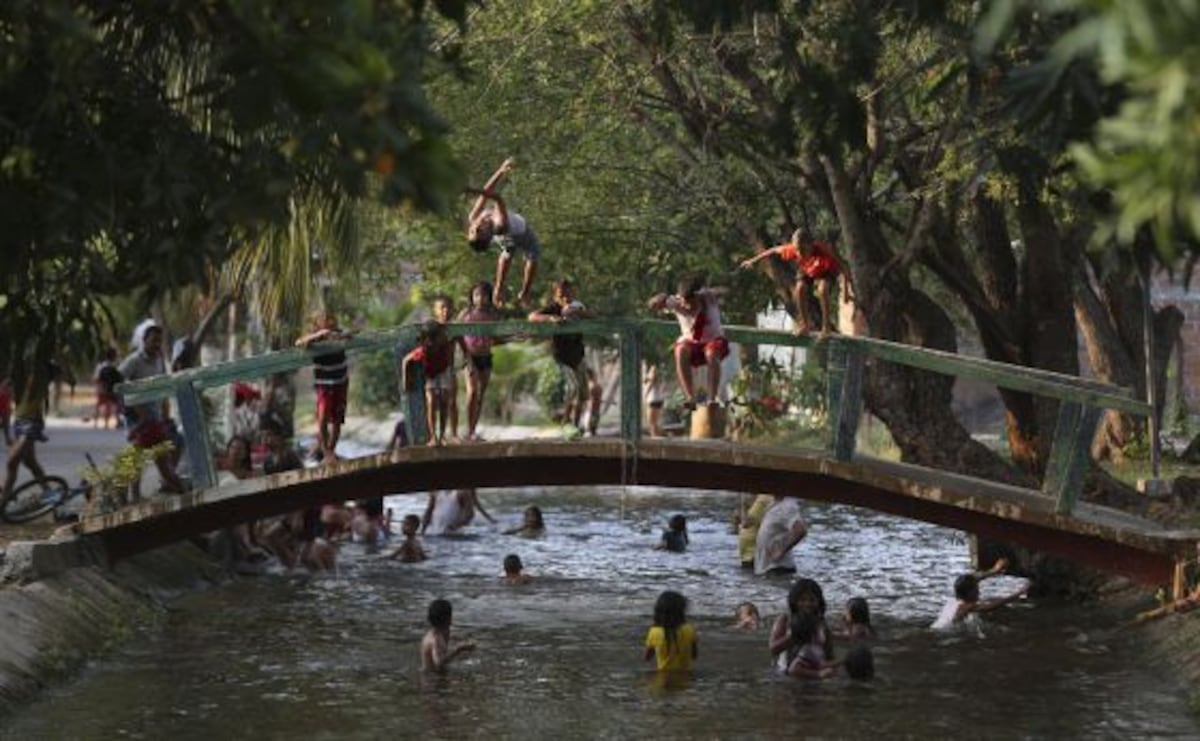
150, 423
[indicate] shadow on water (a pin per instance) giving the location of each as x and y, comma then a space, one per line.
336, 657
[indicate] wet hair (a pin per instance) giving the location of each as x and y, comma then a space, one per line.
690, 286
483, 285
536, 511
860, 663
440, 612
806, 588
966, 587
678, 523
412, 520
859, 611
512, 564
245, 461
670, 612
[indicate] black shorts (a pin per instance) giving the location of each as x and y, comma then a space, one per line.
482, 363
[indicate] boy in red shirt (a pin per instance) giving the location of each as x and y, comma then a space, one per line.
816, 264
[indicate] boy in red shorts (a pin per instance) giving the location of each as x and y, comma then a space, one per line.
816, 264
331, 378
701, 341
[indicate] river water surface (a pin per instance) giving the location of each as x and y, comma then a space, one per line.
336, 656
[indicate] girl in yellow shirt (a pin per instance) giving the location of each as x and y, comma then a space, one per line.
672, 639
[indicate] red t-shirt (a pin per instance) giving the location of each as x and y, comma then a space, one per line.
436, 359
819, 263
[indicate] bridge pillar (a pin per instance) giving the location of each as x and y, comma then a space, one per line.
195, 436
708, 423
413, 390
631, 383
1070, 453
843, 396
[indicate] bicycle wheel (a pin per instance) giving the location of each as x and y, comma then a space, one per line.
34, 498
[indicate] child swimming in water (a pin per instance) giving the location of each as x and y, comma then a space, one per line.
513, 570
672, 640
856, 620
963, 611
746, 617
675, 537
411, 550
532, 525
435, 646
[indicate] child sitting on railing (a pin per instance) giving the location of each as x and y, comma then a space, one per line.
701, 341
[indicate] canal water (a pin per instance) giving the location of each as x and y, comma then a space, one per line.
294, 656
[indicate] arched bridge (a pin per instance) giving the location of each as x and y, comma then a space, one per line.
1048, 519
1099, 537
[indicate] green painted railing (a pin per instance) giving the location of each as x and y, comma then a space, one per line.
1083, 400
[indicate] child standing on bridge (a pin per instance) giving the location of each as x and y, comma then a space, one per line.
435, 356
702, 340
331, 378
478, 349
817, 265
568, 350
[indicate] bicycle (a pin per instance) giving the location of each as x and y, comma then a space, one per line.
35, 498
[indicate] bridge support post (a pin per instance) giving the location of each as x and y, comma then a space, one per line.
843, 396
195, 436
1070, 454
631, 383
414, 406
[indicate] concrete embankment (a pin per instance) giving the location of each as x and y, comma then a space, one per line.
61, 607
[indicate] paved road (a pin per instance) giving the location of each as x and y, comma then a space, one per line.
70, 437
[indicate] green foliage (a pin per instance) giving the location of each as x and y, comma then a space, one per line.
142, 142
376, 385
551, 391
375, 388
111, 481
769, 400
1144, 151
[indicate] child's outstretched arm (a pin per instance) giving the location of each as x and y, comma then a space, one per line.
489, 189
985, 605
763, 254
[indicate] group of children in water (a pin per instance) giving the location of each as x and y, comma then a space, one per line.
801, 641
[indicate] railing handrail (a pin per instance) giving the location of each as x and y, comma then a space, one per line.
1019, 378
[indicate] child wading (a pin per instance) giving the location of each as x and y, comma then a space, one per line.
702, 341
506, 228
817, 264
435, 646
672, 641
